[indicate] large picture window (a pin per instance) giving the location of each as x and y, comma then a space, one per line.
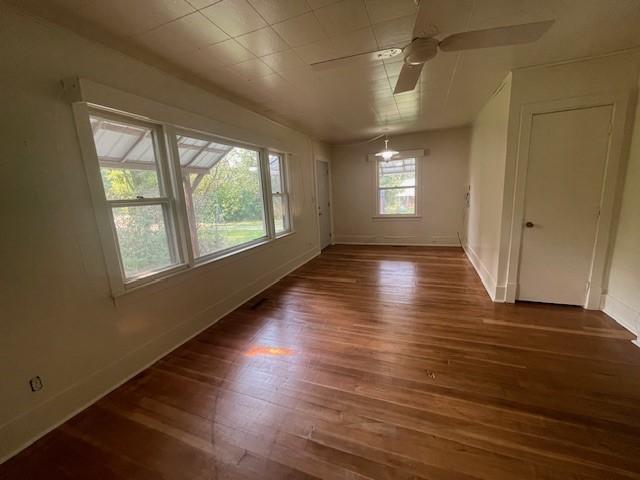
171, 199
396, 187
223, 194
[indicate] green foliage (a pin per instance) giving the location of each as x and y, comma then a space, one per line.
397, 201
227, 204
231, 191
213, 237
397, 179
125, 184
142, 238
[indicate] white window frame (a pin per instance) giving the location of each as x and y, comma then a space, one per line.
172, 199
284, 179
104, 208
375, 161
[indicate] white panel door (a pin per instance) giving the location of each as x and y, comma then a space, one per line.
567, 156
324, 205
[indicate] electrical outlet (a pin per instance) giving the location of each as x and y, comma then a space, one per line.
36, 384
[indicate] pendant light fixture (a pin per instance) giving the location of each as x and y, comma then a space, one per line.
387, 153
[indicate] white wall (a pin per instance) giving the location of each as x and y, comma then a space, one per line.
622, 299
443, 183
486, 179
58, 319
322, 151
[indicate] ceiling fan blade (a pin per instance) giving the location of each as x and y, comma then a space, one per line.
349, 59
408, 78
496, 37
421, 27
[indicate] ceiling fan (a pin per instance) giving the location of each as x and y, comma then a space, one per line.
424, 46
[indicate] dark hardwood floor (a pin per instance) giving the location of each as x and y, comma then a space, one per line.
370, 363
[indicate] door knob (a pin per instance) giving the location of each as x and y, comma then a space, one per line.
529, 225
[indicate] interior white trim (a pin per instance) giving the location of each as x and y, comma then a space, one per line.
316, 206
489, 282
402, 244
396, 217
32, 424
620, 102
396, 240
501, 294
622, 313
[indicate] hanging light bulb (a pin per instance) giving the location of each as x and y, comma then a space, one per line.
386, 154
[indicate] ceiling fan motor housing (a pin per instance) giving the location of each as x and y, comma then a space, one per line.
420, 51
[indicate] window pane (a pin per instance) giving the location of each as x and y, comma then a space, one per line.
398, 201
275, 172
280, 213
143, 239
280, 199
223, 191
397, 173
127, 159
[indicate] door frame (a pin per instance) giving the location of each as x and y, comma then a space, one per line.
619, 130
317, 202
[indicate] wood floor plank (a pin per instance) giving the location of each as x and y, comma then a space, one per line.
369, 363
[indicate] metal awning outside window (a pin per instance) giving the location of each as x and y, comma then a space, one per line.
131, 146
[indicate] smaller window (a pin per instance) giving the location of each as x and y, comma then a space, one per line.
396, 183
132, 170
279, 193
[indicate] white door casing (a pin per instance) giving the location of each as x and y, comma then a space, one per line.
568, 152
324, 202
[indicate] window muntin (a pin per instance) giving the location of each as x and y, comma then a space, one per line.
396, 182
132, 170
223, 194
279, 193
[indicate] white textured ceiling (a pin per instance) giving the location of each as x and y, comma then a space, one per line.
260, 50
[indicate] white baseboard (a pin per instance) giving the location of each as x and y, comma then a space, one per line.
396, 244
28, 427
622, 313
501, 294
511, 289
395, 240
496, 294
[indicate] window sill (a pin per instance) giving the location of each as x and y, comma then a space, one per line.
284, 234
163, 277
396, 217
